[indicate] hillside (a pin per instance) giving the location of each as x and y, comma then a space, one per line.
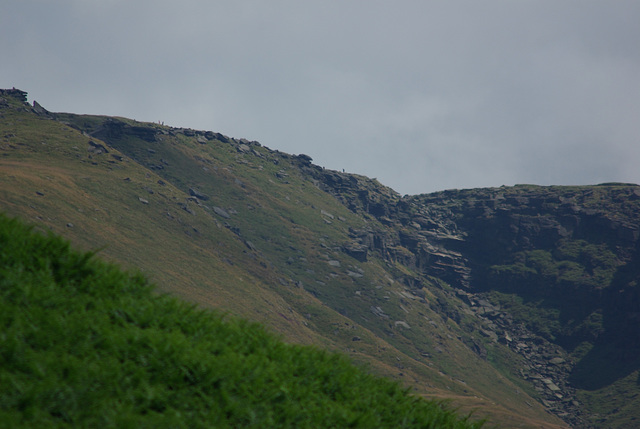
86, 345
501, 300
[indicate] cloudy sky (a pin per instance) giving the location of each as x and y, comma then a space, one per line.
423, 95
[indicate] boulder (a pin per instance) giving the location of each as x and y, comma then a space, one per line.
96, 148
250, 245
354, 274
305, 159
221, 212
39, 110
199, 195
357, 251
402, 323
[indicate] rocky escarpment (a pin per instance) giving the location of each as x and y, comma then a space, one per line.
577, 248
21, 97
546, 366
421, 239
568, 258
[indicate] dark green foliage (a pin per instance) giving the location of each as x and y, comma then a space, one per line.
83, 344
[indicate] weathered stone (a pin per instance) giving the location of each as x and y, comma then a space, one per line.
221, 212
356, 250
250, 245
327, 214
187, 209
198, 194
39, 110
401, 323
378, 312
305, 159
15, 93
550, 385
96, 148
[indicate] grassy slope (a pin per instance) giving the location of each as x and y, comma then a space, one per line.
84, 344
49, 177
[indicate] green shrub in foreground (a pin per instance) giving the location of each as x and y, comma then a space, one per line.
85, 344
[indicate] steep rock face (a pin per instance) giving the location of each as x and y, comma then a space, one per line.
420, 238
562, 265
564, 262
576, 248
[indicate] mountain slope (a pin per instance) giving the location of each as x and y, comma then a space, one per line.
85, 345
564, 262
402, 285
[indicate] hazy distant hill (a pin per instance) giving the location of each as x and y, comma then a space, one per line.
520, 302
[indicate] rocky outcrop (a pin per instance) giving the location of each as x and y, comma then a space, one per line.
357, 250
96, 148
14, 93
460, 236
197, 194
546, 366
41, 111
114, 129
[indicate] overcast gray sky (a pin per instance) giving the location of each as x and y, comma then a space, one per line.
423, 95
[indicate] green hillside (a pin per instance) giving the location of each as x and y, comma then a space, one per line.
518, 303
87, 345
233, 225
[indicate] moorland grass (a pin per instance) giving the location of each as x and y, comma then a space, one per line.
84, 344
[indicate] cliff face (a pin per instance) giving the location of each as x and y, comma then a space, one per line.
556, 268
571, 251
564, 262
